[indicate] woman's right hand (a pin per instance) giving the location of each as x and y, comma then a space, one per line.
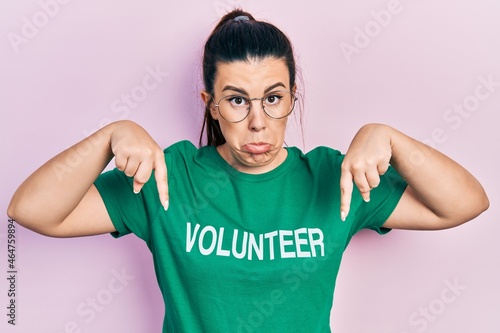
60, 199
138, 155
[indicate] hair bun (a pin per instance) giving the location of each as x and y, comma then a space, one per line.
234, 16
241, 18
237, 13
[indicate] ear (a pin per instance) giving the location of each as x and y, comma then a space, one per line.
294, 89
209, 102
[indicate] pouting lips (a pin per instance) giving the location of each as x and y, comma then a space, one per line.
257, 148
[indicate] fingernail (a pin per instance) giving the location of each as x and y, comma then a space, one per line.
366, 199
342, 215
165, 205
136, 191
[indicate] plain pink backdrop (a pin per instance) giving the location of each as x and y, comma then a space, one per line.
66, 65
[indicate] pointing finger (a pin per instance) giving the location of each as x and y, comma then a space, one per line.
346, 187
162, 181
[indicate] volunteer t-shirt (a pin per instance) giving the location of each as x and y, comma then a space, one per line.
239, 252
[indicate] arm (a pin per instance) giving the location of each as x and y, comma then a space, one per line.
60, 200
440, 194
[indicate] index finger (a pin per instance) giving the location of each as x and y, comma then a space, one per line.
346, 187
162, 180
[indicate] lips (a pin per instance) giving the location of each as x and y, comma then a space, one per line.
257, 147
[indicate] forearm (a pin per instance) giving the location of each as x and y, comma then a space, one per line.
53, 191
441, 184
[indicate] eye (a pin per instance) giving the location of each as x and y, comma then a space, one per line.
238, 101
273, 99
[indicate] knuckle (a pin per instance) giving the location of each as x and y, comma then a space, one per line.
140, 179
344, 167
128, 173
383, 170
150, 153
342, 191
358, 165
119, 166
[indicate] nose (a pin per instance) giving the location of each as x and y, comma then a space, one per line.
257, 116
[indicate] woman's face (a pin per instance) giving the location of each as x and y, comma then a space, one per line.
254, 145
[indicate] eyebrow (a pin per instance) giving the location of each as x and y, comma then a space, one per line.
242, 91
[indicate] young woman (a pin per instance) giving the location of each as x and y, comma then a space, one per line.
247, 235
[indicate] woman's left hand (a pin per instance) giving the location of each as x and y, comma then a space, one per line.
366, 160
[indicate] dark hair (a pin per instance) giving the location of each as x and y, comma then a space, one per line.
240, 40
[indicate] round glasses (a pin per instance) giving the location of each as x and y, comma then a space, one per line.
276, 105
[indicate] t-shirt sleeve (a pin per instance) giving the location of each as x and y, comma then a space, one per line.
129, 212
136, 213
383, 200
362, 215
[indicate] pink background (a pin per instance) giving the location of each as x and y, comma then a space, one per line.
66, 80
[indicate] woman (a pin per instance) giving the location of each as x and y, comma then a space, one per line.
246, 235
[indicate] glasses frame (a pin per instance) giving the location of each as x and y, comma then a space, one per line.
294, 99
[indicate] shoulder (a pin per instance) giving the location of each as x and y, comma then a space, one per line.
181, 147
186, 151
178, 155
184, 157
322, 161
321, 154
324, 152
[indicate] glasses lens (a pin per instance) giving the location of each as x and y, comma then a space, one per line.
234, 108
277, 105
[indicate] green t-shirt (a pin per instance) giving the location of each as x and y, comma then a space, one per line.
238, 252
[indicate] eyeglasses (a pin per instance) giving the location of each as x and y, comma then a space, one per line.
276, 105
